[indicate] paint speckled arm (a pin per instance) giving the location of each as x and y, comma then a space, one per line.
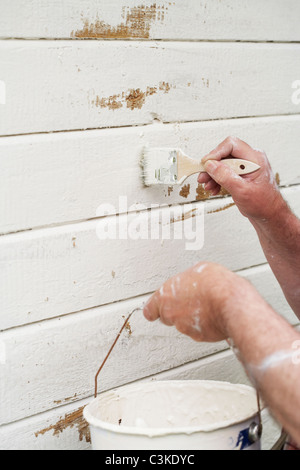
280, 239
258, 198
210, 304
269, 348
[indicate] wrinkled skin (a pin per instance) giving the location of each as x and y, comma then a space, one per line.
209, 303
192, 301
247, 191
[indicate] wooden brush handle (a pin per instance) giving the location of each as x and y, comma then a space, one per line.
187, 166
240, 167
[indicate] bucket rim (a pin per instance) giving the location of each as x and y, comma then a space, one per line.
153, 432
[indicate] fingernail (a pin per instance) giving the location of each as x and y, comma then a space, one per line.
210, 166
201, 178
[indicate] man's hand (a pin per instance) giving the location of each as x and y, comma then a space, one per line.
195, 301
256, 195
209, 303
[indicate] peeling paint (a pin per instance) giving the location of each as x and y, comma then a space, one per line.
165, 87
128, 328
201, 193
111, 102
132, 98
222, 208
69, 421
224, 192
136, 23
185, 216
135, 99
185, 190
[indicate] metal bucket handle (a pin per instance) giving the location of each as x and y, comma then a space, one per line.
112, 347
255, 429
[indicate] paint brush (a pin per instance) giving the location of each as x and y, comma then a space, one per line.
171, 166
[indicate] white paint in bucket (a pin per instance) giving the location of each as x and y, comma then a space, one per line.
168, 415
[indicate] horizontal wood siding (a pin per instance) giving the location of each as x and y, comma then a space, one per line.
84, 86
64, 177
63, 85
252, 20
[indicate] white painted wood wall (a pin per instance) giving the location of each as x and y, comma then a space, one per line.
88, 83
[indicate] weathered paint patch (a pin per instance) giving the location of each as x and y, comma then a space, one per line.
184, 216
222, 208
136, 23
185, 190
111, 102
127, 326
136, 98
201, 193
69, 421
132, 99
66, 400
224, 192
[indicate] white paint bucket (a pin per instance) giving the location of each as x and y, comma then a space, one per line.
168, 415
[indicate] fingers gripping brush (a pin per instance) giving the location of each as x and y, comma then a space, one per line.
171, 166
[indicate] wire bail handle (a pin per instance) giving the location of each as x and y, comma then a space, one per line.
112, 347
255, 430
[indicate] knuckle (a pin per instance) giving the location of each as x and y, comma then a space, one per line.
231, 139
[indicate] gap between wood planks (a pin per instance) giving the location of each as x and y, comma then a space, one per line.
93, 219
153, 122
162, 206
126, 299
70, 403
149, 40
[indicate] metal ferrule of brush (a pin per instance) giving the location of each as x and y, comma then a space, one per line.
168, 175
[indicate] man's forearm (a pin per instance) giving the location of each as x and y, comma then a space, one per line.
269, 349
280, 240
257, 196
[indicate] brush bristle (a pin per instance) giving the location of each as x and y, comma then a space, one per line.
159, 166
